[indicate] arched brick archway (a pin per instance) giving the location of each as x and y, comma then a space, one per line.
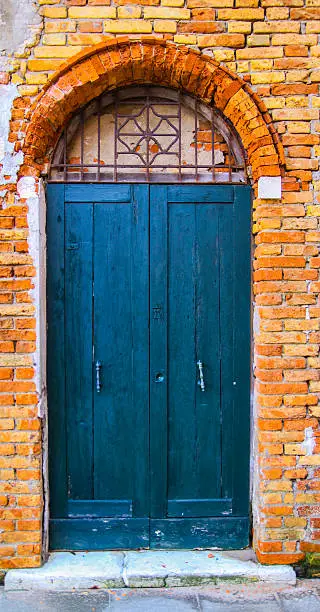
125, 62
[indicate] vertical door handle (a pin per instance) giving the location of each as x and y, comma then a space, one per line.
98, 382
201, 381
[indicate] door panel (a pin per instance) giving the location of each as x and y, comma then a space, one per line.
104, 314
148, 280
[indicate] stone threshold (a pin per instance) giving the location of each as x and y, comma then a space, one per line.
67, 571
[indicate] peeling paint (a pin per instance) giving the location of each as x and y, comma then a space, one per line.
9, 160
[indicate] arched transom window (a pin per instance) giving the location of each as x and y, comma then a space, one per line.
148, 134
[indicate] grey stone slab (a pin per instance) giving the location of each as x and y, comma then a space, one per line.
301, 602
182, 568
54, 602
65, 571
235, 606
157, 600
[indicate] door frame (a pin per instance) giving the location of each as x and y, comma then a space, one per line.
249, 445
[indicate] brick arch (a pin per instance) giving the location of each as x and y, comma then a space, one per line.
123, 62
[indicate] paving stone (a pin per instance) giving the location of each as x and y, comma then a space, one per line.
182, 568
66, 571
300, 603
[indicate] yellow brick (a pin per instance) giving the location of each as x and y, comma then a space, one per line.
258, 40
181, 39
299, 127
34, 78
250, 14
28, 90
54, 39
16, 79
277, 13
315, 51
129, 12
313, 27
294, 39
272, 27
223, 55
239, 27
297, 101
263, 52
258, 78
151, 12
54, 12
92, 12
128, 26
315, 102
86, 39
164, 25
313, 211
262, 64
274, 102
42, 65
208, 3
60, 26
172, 3
242, 67
41, 2
315, 76
297, 75
309, 460
55, 51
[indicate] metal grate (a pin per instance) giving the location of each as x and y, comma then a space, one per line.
148, 134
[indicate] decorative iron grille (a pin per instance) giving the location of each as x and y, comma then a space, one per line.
148, 134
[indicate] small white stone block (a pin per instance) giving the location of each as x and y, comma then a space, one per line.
26, 187
269, 187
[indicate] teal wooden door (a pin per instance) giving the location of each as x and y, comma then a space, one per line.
148, 365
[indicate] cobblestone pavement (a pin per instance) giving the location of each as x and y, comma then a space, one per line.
305, 597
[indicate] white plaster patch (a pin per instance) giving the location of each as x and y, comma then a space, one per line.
269, 187
37, 242
309, 441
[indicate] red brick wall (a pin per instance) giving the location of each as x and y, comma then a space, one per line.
268, 86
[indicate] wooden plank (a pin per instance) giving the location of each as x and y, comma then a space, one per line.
140, 355
120, 508
209, 193
242, 348
98, 534
225, 533
121, 345
183, 449
158, 349
199, 507
78, 342
97, 193
208, 407
56, 351
227, 320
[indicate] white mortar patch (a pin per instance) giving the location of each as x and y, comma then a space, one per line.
269, 188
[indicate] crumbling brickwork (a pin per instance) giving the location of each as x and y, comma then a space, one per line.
258, 61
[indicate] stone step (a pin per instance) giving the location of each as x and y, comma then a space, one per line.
66, 571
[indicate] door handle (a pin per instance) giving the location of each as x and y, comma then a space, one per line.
98, 382
201, 382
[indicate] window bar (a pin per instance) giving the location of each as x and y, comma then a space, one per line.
179, 134
115, 178
229, 164
65, 154
82, 145
212, 147
148, 137
99, 136
196, 139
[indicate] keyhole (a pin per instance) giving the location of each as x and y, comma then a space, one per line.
159, 377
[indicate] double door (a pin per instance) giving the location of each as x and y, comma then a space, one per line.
148, 365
